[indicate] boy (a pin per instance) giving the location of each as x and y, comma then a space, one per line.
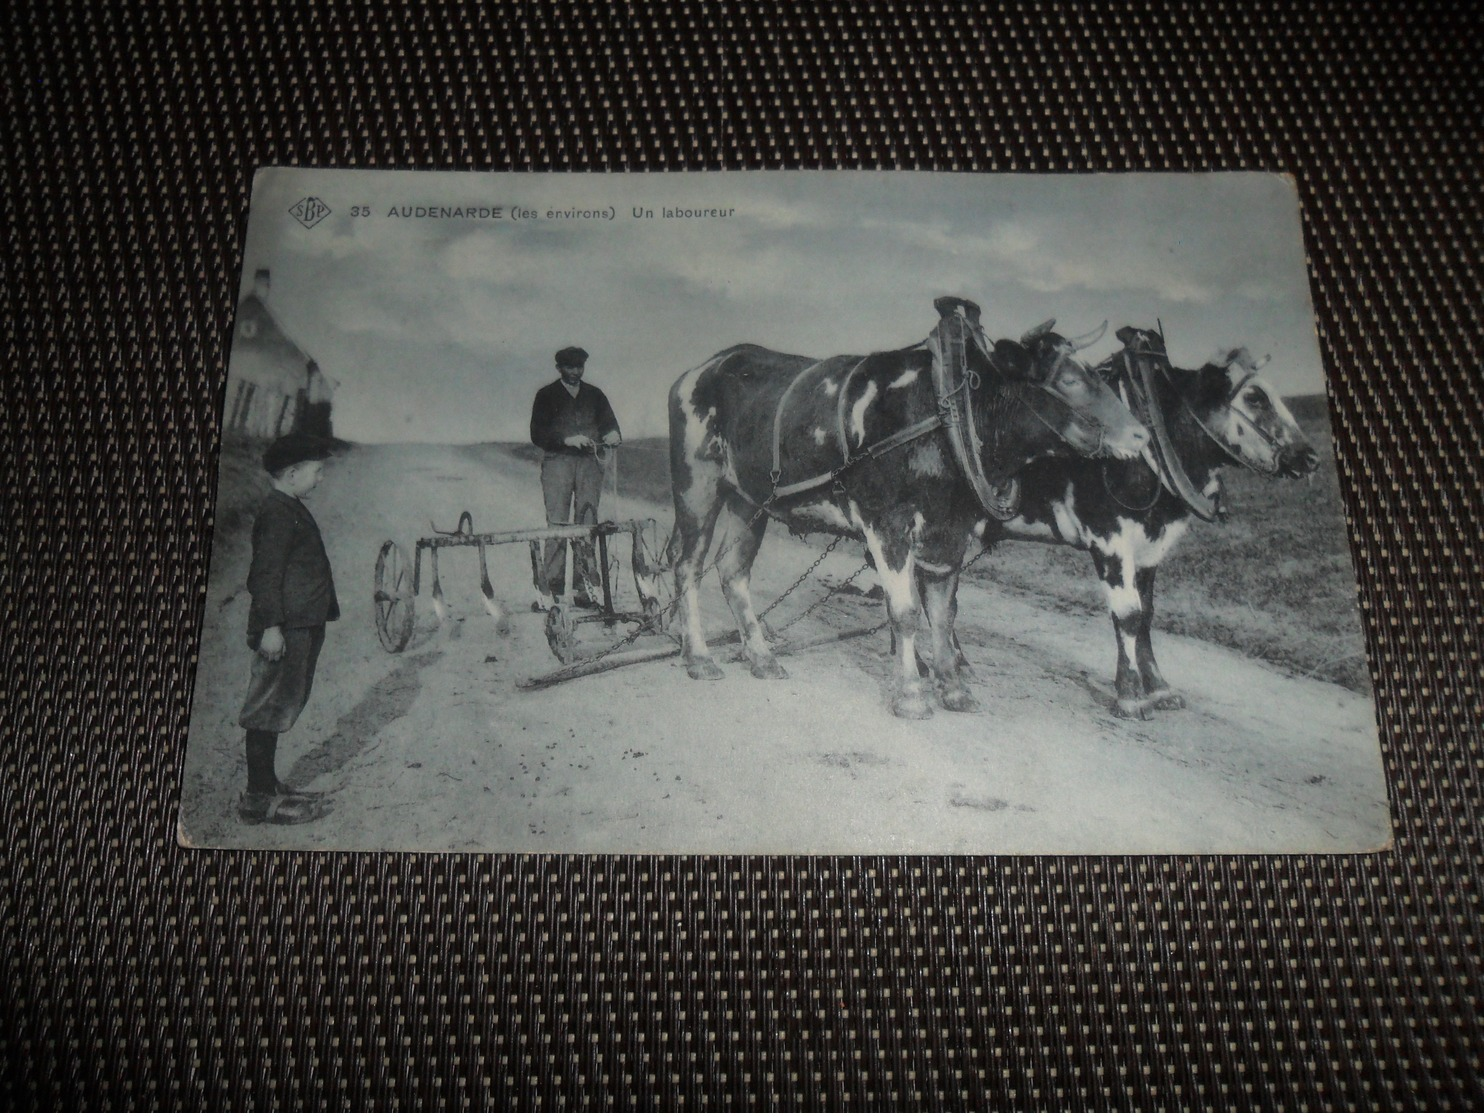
293, 596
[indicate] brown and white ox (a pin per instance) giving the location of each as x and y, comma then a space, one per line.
1129, 514
864, 447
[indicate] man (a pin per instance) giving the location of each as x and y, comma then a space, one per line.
572, 422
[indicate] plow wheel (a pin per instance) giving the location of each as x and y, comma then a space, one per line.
393, 597
561, 633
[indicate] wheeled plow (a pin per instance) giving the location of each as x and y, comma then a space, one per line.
398, 584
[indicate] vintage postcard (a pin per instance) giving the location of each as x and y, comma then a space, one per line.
779, 512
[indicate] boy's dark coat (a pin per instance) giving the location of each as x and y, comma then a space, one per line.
290, 579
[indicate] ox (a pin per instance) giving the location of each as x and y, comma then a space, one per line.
1129, 514
906, 451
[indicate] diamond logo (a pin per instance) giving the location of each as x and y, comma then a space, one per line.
309, 212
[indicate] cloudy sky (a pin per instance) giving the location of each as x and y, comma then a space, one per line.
439, 329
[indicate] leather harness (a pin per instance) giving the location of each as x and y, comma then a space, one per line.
952, 382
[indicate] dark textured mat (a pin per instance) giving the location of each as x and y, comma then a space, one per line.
135, 974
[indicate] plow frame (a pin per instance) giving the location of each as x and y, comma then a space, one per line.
395, 590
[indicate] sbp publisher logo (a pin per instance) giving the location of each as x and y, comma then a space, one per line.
309, 212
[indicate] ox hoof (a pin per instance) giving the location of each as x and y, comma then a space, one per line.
1131, 709
768, 668
959, 700
703, 669
912, 705
1166, 700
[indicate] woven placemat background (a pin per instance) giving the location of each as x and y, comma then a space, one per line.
133, 973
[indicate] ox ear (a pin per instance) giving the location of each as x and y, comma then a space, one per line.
1244, 360
1011, 359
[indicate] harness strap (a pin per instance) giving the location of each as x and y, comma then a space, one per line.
876, 449
1168, 465
842, 405
951, 383
777, 470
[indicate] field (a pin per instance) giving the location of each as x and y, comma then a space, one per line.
1274, 582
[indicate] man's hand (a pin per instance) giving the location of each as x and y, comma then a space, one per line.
579, 442
270, 644
612, 438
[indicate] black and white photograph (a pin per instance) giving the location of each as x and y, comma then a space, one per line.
779, 512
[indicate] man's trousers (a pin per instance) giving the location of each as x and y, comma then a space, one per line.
570, 485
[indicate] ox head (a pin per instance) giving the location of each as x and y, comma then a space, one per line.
1238, 409
1254, 425
1062, 393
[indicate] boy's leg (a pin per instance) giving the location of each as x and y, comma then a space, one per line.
276, 697
280, 687
262, 747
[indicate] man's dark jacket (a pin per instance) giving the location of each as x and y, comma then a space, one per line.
557, 415
290, 579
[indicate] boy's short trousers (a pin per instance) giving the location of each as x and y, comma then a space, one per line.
278, 691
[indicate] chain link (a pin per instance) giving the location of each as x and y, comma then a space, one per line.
776, 633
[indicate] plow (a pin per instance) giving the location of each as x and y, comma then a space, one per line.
398, 583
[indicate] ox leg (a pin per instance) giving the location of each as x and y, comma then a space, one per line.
894, 566
695, 520
1126, 607
940, 604
1160, 696
742, 535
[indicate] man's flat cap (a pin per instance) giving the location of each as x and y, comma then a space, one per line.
294, 448
571, 357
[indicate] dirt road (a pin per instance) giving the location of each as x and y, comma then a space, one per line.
439, 749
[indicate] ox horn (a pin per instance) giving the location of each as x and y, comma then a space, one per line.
1038, 332
1089, 338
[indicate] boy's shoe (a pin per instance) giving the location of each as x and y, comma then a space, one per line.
281, 810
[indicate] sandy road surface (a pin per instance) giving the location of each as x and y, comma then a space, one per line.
438, 749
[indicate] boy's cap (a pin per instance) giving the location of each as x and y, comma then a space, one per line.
292, 449
571, 357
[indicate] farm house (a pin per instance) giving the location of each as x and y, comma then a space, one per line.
273, 386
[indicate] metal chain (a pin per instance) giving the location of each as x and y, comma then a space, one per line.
776, 633
984, 550
802, 578
645, 628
